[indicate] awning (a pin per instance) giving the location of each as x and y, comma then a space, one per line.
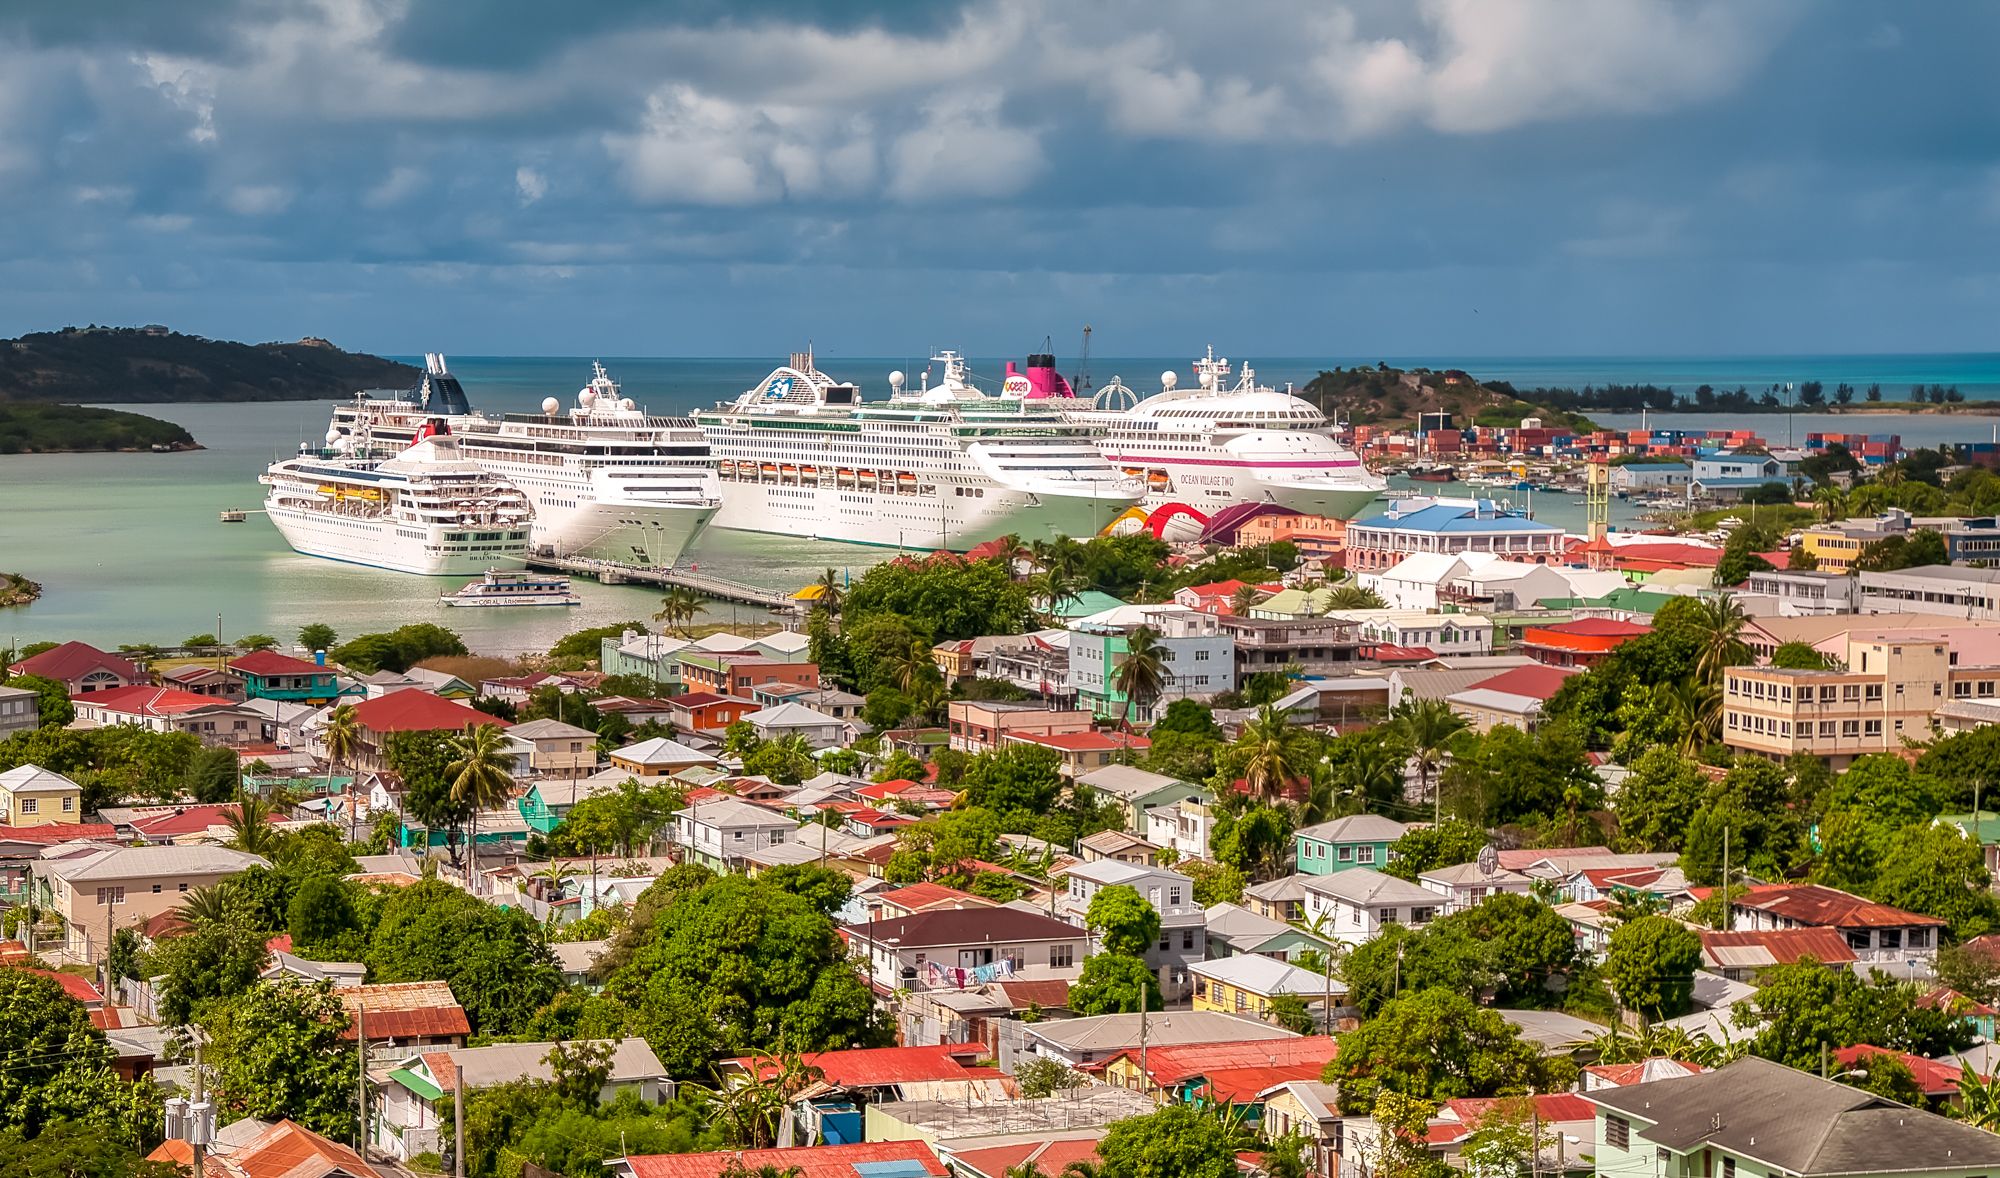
416, 1083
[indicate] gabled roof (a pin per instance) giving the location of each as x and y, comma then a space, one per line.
502, 1063
1818, 905
966, 926
1048, 1156
33, 779
143, 699
1596, 628
1307, 1054
871, 1067
789, 715
72, 660
1789, 1120
1130, 781
147, 862
1356, 828
548, 729
270, 662
1364, 885
405, 1010
415, 710
1754, 950
1536, 682
873, 1159
1263, 975
918, 897
661, 751
730, 811
1934, 1077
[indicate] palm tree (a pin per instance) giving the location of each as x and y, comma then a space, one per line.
1696, 708
1244, 600
341, 736
1080, 1169
831, 591
1429, 727
1026, 1170
553, 875
679, 607
1055, 590
1142, 674
1273, 747
1722, 646
1978, 1100
1832, 502
1374, 769
908, 669
207, 905
1354, 597
481, 778
250, 829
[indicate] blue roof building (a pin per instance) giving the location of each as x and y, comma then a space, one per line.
1451, 526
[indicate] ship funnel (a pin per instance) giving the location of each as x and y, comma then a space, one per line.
1044, 380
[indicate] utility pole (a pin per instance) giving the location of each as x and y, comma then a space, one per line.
201, 1114
458, 1119
1145, 1076
361, 1073
1726, 906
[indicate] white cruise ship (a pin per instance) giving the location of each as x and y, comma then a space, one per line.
941, 466
1218, 444
428, 510
607, 480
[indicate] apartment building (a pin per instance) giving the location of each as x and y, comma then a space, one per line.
1318, 646
20, 711
1199, 660
981, 726
1837, 544
1968, 593
98, 888
1889, 687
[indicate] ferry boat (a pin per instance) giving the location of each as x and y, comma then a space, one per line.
1218, 443
428, 510
945, 465
502, 588
607, 480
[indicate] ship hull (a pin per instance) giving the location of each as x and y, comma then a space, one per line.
381, 544
947, 521
627, 533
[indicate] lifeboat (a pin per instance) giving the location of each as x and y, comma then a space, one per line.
868, 478
1157, 480
905, 479
844, 477
789, 471
768, 468
809, 472
1133, 472
726, 467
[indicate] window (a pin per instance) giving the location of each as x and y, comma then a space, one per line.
1344, 854
1062, 956
1728, 1167
28, 805
1387, 916
1920, 938
1617, 1132
1187, 938
1365, 855
1871, 727
1889, 938
156, 889
1857, 940
111, 895
69, 804
1422, 915
184, 887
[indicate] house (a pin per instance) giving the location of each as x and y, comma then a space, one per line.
1140, 790
830, 701
1464, 885
1308, 1109
1197, 659
1450, 526
1283, 898
250, 1148
1877, 933
266, 674
558, 749
405, 1114
442, 684
1624, 1075
1757, 1118
658, 757
1562, 1117
1358, 840
80, 668
1726, 476
1652, 476
1514, 697
1414, 581
952, 948
874, 1159
716, 832
1810, 592
378, 718
1741, 956
737, 673
1234, 929
921, 897
982, 726
1052, 1154
33, 796
1089, 1043
1184, 827
159, 825
1583, 643
1220, 1073
169, 709
707, 711
286, 964
403, 1016
643, 656
1117, 845
1936, 1078
1353, 905
831, 1112
202, 680
96, 889
1083, 752
1247, 982
20, 711
820, 730
1183, 926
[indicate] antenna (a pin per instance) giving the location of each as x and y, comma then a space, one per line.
1083, 364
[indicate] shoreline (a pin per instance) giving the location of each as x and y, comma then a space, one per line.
16, 589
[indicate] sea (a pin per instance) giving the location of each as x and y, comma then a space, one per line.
129, 547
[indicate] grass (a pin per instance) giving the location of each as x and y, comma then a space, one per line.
1783, 516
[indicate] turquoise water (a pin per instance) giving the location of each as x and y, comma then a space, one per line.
128, 547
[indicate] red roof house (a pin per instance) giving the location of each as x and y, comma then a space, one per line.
904, 1159
80, 668
1935, 1077
1582, 643
879, 1067
411, 710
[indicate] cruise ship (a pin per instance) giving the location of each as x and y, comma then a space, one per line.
942, 466
429, 509
607, 480
1215, 444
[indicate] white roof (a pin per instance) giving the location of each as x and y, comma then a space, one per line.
721, 641
1469, 874
1592, 583
1496, 701
577, 956
1115, 1032
734, 812
790, 715
1233, 922
1120, 617
1423, 568
1130, 781
1364, 885
109, 862
1263, 975
33, 779
547, 729
661, 751
785, 641
1109, 872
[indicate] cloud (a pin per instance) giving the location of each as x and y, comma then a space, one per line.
697, 148
402, 182
963, 150
257, 200
532, 185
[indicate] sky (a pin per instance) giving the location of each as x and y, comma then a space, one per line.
732, 177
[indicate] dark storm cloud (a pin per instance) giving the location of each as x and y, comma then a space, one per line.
1454, 175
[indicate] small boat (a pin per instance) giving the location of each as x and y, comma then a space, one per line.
1157, 480
809, 472
234, 515
1431, 474
499, 587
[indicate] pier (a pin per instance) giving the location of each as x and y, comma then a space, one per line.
611, 572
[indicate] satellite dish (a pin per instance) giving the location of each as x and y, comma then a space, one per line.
1489, 859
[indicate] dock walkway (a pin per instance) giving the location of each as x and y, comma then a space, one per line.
611, 572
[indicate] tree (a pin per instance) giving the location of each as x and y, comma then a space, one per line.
256, 642
679, 607
52, 706
1113, 983
1799, 656
275, 1052
1142, 673
481, 778
1978, 1099
1179, 1141
317, 636
215, 958
60, 1067
1426, 848
1188, 716
1802, 1008
786, 761
1439, 1045
1254, 842
399, 649
1721, 623
1509, 776
580, 1070
1402, 1132
1294, 1014
1123, 920
1651, 963
1270, 749
1215, 883
1350, 597
1531, 947
66, 1150
249, 825
214, 775
1428, 728
494, 959
1937, 871
1658, 799
1041, 1076
321, 916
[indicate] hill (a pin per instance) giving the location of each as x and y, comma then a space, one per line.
68, 429
1394, 396
141, 365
